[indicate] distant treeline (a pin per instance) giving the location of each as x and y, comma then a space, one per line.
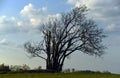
17, 68
26, 69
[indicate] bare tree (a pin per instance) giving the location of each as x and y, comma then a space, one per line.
65, 35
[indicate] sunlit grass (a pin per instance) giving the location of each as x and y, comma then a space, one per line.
58, 75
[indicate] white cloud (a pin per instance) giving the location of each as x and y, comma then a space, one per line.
7, 21
76, 2
58, 16
34, 15
32, 12
113, 27
20, 23
35, 22
29, 19
4, 42
9, 44
8, 24
103, 10
72, 1
106, 10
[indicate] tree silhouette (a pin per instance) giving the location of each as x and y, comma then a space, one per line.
65, 35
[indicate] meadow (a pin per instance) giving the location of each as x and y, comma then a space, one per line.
59, 75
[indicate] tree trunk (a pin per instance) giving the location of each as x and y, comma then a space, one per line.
53, 67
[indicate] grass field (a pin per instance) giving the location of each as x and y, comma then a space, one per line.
59, 75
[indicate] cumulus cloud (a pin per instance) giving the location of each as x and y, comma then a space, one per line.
76, 2
4, 42
32, 12
34, 15
72, 1
29, 19
8, 24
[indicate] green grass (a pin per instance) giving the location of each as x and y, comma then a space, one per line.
58, 75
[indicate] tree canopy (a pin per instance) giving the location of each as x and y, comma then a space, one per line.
65, 35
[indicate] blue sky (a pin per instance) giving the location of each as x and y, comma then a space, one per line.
19, 22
